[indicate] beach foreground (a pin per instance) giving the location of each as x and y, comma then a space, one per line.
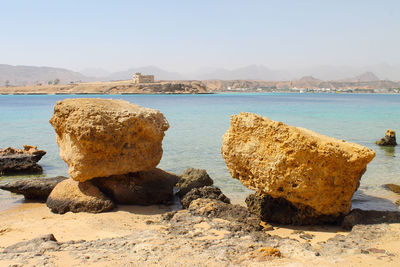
135, 235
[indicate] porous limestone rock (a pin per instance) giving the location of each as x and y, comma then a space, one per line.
20, 160
388, 140
74, 196
103, 137
140, 188
296, 164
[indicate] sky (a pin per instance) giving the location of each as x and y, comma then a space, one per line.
188, 35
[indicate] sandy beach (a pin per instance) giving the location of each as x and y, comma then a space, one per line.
137, 235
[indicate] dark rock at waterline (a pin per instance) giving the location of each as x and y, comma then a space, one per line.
35, 188
393, 187
139, 188
74, 196
388, 140
192, 178
358, 216
204, 192
279, 210
20, 160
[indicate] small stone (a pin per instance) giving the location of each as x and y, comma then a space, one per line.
376, 250
168, 216
307, 236
265, 253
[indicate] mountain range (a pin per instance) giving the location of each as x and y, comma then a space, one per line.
28, 75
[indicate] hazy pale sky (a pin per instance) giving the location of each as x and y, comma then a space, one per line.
188, 35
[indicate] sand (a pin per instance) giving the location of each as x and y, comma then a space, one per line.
30, 220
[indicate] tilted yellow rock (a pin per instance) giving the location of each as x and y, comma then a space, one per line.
294, 163
102, 137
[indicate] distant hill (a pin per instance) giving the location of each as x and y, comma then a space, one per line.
28, 75
364, 77
309, 79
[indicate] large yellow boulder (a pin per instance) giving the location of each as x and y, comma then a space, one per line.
301, 166
102, 137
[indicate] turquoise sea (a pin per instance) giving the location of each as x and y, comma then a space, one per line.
197, 123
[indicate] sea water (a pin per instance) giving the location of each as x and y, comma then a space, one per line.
197, 123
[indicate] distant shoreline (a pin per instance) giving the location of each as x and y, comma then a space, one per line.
209, 93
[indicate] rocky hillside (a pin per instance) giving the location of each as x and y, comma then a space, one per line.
27, 75
120, 87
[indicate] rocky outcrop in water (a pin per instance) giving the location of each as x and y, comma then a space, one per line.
74, 196
140, 188
103, 137
311, 171
20, 160
35, 188
388, 140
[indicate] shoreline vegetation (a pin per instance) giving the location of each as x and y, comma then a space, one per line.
126, 87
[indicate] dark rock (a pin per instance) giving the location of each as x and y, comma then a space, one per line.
31, 245
35, 188
204, 192
393, 187
213, 208
192, 178
70, 195
388, 140
20, 160
358, 216
139, 188
279, 210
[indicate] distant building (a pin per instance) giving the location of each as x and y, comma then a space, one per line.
139, 78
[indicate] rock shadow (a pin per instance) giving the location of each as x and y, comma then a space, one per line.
363, 201
370, 210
